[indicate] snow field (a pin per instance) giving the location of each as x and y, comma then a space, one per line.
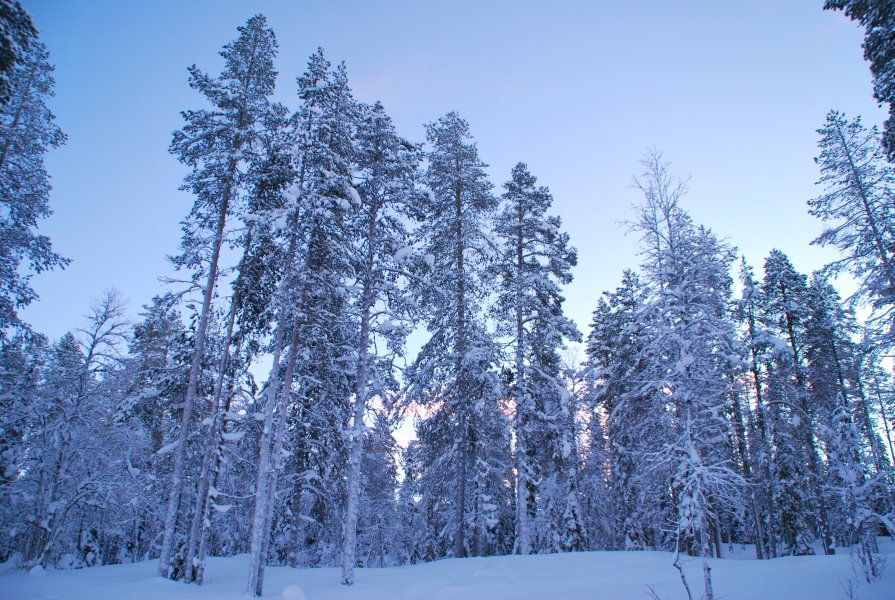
585, 575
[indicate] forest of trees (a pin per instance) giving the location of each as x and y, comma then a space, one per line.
251, 408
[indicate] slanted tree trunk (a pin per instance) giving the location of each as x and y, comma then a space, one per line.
276, 457
356, 435
194, 569
860, 187
164, 564
884, 416
257, 554
256, 559
709, 593
229, 184
215, 477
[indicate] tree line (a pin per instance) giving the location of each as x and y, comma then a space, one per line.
252, 406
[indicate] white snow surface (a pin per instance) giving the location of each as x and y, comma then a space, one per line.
603, 575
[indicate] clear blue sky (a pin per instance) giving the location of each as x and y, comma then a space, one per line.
731, 92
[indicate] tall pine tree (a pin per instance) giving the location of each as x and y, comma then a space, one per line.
534, 260
453, 371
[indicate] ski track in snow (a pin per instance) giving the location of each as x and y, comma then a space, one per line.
591, 575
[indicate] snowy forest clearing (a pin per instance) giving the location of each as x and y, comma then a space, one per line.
603, 575
709, 403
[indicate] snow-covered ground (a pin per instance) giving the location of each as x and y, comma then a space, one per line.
592, 575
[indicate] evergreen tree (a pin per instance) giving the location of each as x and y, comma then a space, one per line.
268, 173
881, 395
379, 528
857, 205
453, 372
154, 376
214, 144
796, 413
878, 18
601, 505
24, 361
385, 166
17, 34
27, 132
617, 338
755, 453
534, 260
313, 329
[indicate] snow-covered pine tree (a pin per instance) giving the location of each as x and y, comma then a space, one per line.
417, 502
312, 325
880, 394
27, 132
534, 260
327, 330
574, 533
490, 493
489, 481
878, 19
756, 457
833, 372
795, 412
617, 338
829, 349
742, 433
17, 34
379, 535
452, 372
600, 504
270, 170
214, 143
384, 182
418, 536
24, 360
856, 205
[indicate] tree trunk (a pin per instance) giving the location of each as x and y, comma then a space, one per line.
257, 544
256, 559
164, 564
195, 570
276, 459
462, 403
215, 477
349, 545
885, 418
740, 435
522, 543
764, 456
478, 532
229, 191
868, 213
